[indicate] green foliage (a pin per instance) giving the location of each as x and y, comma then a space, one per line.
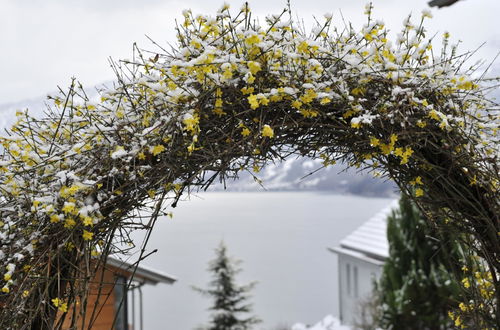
417, 288
229, 298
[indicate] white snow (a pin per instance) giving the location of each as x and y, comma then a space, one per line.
328, 323
119, 153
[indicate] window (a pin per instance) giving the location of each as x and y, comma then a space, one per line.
355, 275
121, 303
348, 278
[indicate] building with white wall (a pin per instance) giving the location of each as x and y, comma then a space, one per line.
361, 256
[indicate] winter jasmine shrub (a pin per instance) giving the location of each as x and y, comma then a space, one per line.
234, 94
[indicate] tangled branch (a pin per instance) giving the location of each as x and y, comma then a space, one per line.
233, 96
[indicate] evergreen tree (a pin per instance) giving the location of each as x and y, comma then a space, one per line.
417, 287
229, 298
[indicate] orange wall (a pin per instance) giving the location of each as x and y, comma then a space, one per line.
103, 304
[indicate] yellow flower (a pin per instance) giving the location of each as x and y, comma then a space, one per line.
141, 155
385, 148
309, 113
191, 123
7, 277
157, 149
68, 191
227, 74
69, 246
355, 124
191, 148
358, 91
296, 104
69, 223
56, 302
119, 114
253, 39
394, 138
219, 112
87, 221
250, 78
421, 123
254, 67
245, 132
407, 153
374, 141
87, 235
458, 321
419, 192
309, 96
69, 208
54, 218
5, 289
253, 101
434, 115
302, 47
247, 90
325, 100
196, 44
467, 85
267, 131
63, 307
263, 100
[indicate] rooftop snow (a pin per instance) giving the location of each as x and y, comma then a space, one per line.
371, 237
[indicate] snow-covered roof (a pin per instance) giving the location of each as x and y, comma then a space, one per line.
369, 239
142, 273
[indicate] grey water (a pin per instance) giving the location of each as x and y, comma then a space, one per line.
282, 240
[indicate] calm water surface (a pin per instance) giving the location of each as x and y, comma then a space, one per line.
282, 239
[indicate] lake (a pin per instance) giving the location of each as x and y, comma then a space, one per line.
282, 240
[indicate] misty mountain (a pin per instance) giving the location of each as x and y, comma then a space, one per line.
306, 174
35, 105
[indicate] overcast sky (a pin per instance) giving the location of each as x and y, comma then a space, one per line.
46, 42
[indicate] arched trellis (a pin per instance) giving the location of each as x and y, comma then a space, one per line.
234, 96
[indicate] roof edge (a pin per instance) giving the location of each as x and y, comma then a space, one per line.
149, 275
358, 255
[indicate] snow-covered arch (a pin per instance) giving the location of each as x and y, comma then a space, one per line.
233, 96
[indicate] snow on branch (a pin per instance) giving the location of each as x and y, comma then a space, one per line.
233, 95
